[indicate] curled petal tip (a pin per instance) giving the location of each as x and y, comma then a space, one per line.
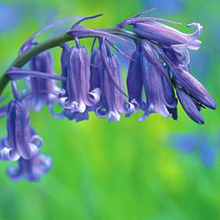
198, 26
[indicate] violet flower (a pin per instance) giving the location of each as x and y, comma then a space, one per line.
106, 75
193, 87
41, 91
150, 28
76, 95
189, 106
165, 54
147, 71
21, 141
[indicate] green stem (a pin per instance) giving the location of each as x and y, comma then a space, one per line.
21, 60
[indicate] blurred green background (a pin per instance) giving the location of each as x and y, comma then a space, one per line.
118, 171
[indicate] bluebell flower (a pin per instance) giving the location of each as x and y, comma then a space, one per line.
161, 59
165, 53
190, 84
30, 170
190, 106
106, 75
150, 28
75, 95
40, 91
148, 72
174, 43
159, 92
21, 141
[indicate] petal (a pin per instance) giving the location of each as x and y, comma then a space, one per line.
76, 115
31, 170
134, 79
9, 154
105, 54
54, 114
154, 89
193, 87
118, 96
94, 96
101, 112
160, 33
189, 106
168, 93
149, 52
95, 69
18, 127
113, 116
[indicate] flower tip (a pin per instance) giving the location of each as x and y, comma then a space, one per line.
197, 26
213, 105
210, 103
201, 121
197, 118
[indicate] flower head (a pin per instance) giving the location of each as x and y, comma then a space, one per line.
162, 64
158, 75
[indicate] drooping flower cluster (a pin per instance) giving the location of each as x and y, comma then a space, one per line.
158, 76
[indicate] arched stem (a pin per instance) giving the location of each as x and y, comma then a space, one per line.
22, 59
